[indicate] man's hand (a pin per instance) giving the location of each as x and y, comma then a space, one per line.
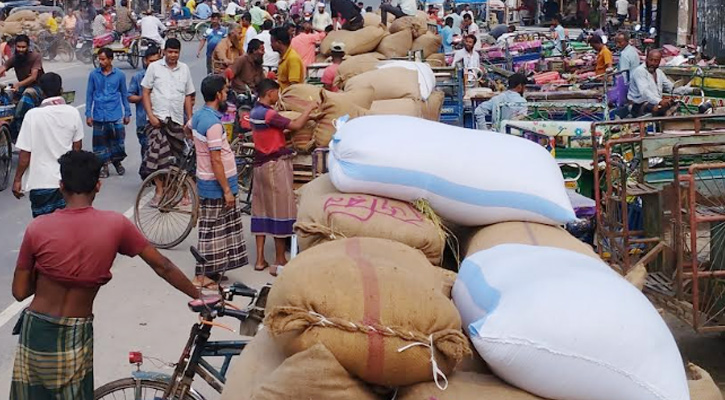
665, 102
18, 190
89, 121
154, 121
126, 120
229, 199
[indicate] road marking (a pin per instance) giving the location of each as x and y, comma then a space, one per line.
13, 309
80, 106
129, 213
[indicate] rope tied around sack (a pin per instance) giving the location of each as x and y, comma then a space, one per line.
423, 206
319, 229
437, 373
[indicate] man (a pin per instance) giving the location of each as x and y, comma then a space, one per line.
64, 259
604, 55
551, 9
100, 24
622, 10
346, 14
228, 50
271, 57
135, 96
221, 234
467, 11
305, 44
107, 111
69, 23
322, 19
151, 28
191, 5
469, 27
272, 7
259, 15
39, 151
361, 6
212, 36
457, 22
399, 8
247, 71
167, 99
282, 6
510, 33
124, 20
203, 11
251, 31
628, 56
28, 66
559, 35
337, 51
232, 9
291, 70
499, 30
498, 113
447, 35
469, 57
646, 86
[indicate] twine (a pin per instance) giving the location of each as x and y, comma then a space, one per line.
437, 373
424, 207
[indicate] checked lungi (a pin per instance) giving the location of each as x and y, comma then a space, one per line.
162, 144
54, 359
274, 210
45, 201
221, 237
109, 141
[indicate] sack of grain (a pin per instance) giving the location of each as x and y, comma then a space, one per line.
391, 83
251, 368
528, 233
299, 378
372, 19
418, 24
44, 17
24, 15
299, 97
536, 314
302, 140
375, 304
356, 65
426, 77
430, 43
466, 386
436, 60
432, 107
366, 157
325, 214
11, 28
701, 385
32, 26
396, 44
409, 107
354, 103
361, 41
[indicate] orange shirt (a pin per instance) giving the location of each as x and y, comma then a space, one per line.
604, 58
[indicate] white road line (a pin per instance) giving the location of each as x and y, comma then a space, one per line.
12, 310
129, 213
80, 106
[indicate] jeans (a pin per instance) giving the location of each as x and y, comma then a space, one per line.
386, 8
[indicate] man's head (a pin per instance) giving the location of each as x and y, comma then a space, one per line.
467, 20
369, 9
307, 27
152, 55
172, 51
467, 7
517, 83
255, 49
280, 39
215, 17
105, 58
268, 91
267, 25
51, 84
654, 57
337, 51
234, 33
469, 42
124, 3
79, 174
22, 46
246, 20
214, 89
596, 42
555, 20
622, 40
258, 4
321, 7
512, 28
449, 21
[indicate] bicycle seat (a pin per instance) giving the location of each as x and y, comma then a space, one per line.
208, 301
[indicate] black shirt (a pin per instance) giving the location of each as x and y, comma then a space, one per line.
345, 9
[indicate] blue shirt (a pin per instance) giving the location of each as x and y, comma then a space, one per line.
135, 89
105, 95
213, 37
201, 123
447, 36
203, 11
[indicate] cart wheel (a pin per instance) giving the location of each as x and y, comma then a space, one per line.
6, 156
187, 34
133, 55
85, 54
64, 51
96, 64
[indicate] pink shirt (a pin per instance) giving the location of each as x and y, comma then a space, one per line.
305, 44
328, 76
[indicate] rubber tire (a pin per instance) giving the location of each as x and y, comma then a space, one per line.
194, 210
96, 63
130, 383
133, 55
6, 159
64, 51
85, 53
187, 34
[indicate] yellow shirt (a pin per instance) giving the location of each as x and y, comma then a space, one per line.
603, 59
191, 5
291, 70
52, 25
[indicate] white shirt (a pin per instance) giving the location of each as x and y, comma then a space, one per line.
472, 29
622, 7
644, 89
271, 57
169, 88
469, 13
232, 8
628, 59
320, 21
251, 34
151, 28
48, 132
309, 7
470, 60
409, 7
282, 5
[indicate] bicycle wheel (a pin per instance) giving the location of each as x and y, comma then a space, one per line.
6, 157
64, 51
244, 157
134, 55
127, 389
187, 34
166, 220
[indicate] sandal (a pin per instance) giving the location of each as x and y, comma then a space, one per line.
275, 270
261, 267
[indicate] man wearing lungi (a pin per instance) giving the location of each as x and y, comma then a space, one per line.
135, 96
108, 111
273, 203
64, 260
221, 234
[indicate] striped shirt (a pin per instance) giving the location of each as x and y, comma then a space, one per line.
209, 136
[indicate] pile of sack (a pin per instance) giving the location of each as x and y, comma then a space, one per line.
24, 21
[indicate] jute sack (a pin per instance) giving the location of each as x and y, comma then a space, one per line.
376, 304
436, 60
528, 233
300, 96
11, 28
325, 214
410, 107
253, 367
303, 139
701, 385
396, 44
312, 374
418, 24
372, 19
356, 65
432, 107
389, 83
466, 386
24, 15
361, 41
44, 17
334, 105
430, 43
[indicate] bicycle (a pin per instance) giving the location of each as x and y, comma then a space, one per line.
159, 386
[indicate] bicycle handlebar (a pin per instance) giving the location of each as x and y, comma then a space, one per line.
238, 314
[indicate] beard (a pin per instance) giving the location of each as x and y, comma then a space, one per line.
223, 106
21, 56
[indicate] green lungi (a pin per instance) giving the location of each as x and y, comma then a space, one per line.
54, 359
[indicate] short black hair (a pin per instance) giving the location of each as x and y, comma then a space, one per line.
151, 50
216, 15
254, 45
595, 39
281, 34
556, 18
369, 9
265, 86
173, 44
51, 84
79, 171
267, 25
247, 17
516, 79
475, 39
22, 38
124, 3
107, 52
449, 20
512, 28
211, 86
467, 16
624, 34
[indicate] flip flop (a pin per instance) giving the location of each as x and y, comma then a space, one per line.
263, 267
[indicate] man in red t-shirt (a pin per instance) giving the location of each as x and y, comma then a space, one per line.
337, 51
64, 260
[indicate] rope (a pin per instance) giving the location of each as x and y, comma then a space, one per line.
437, 373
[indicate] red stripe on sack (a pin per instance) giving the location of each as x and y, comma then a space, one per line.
532, 238
371, 304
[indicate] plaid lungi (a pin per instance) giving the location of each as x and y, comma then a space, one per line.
221, 237
162, 144
274, 210
29, 99
54, 359
45, 201
109, 141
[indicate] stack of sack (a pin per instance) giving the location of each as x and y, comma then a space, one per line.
24, 21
